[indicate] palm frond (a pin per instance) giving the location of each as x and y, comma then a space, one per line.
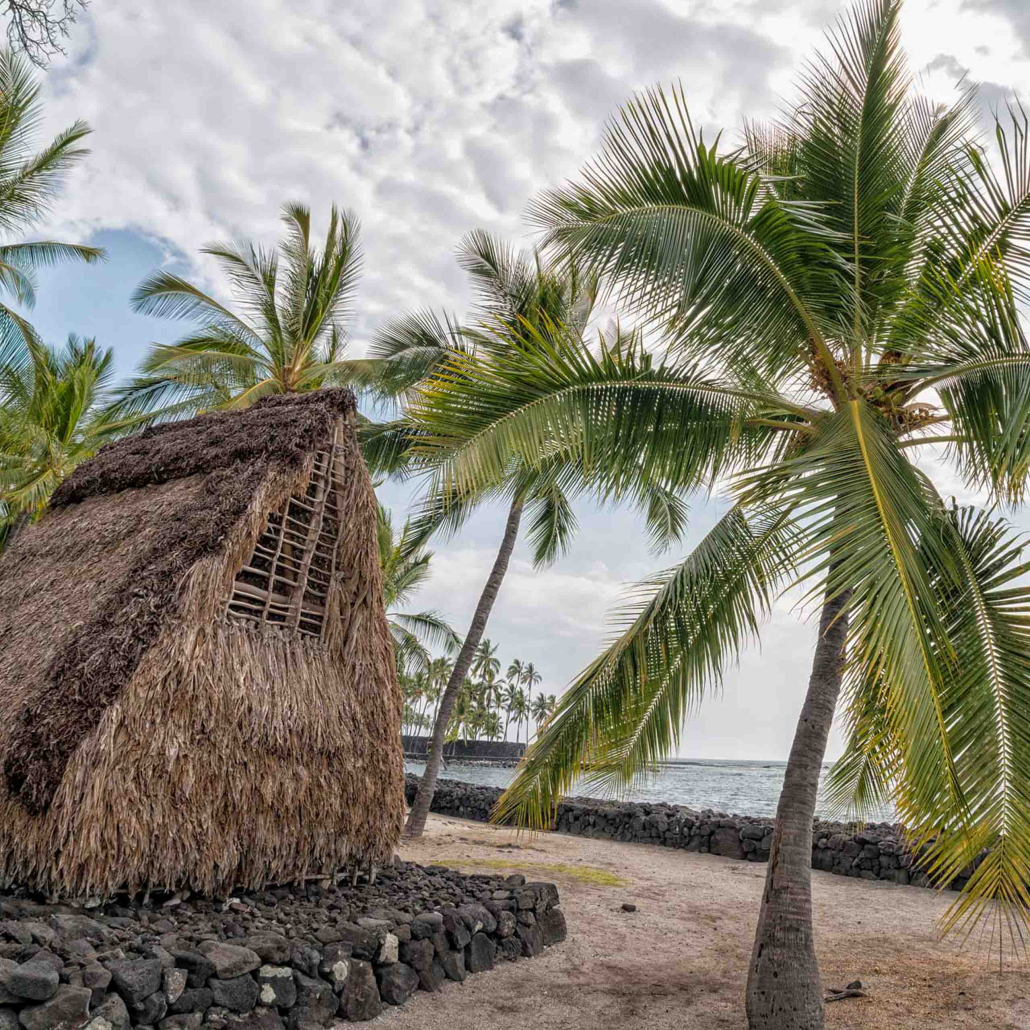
623, 714
690, 236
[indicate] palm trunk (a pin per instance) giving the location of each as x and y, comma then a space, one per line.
427, 788
784, 991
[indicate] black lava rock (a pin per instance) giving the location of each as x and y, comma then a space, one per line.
397, 982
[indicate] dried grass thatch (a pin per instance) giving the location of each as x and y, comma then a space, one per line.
154, 735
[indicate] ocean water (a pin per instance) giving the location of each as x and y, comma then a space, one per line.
739, 788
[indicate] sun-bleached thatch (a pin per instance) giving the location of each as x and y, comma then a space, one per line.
196, 676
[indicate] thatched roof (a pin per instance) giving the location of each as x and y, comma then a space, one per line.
121, 589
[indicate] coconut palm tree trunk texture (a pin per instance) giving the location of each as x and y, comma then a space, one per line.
784, 991
427, 788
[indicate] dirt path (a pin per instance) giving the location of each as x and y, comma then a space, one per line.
681, 960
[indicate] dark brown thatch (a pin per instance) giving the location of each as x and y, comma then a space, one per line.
161, 725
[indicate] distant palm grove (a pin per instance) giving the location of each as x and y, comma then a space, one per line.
488, 705
820, 331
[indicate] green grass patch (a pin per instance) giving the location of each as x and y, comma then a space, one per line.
583, 873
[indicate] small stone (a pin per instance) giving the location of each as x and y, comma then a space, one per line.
198, 966
41, 933
277, 987
258, 1020
360, 999
113, 1012
418, 954
173, 983
456, 929
454, 965
376, 926
532, 940
193, 999
79, 949
627, 907
397, 982
182, 1021
269, 947
7, 967
509, 948
135, 979
305, 959
432, 978
9, 1019
552, 927
239, 994
151, 1010
515, 880
480, 954
363, 943
78, 926
230, 960
335, 965
35, 980
387, 953
505, 924
166, 958
97, 979
67, 1009
16, 931
425, 925
312, 992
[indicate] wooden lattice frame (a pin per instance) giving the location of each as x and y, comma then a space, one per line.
286, 580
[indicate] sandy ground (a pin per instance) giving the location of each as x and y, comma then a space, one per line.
681, 960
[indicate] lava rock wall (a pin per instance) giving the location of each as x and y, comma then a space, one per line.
461, 750
289, 958
876, 851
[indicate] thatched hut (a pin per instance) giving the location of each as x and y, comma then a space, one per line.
197, 682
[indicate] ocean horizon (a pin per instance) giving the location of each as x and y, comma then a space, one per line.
734, 786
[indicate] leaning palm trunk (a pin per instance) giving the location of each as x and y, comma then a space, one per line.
427, 788
784, 991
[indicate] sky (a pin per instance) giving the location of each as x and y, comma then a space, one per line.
430, 118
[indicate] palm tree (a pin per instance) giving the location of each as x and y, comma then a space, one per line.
285, 333
530, 677
514, 672
839, 297
538, 709
405, 567
520, 709
491, 726
30, 182
512, 289
485, 662
490, 689
508, 696
51, 419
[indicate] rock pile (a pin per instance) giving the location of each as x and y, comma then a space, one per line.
876, 851
295, 957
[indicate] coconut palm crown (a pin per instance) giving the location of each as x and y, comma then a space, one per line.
286, 331
51, 419
30, 181
839, 299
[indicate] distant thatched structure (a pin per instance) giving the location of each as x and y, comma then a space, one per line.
197, 685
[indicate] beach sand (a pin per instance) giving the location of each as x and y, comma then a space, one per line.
681, 960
